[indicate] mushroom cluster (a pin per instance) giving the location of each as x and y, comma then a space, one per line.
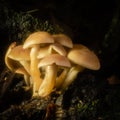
49, 62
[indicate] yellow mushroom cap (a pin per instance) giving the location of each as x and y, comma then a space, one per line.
54, 58
51, 49
38, 38
10, 63
57, 48
83, 56
18, 53
63, 40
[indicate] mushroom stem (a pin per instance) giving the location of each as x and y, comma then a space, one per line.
26, 65
34, 70
72, 74
61, 78
22, 70
27, 80
49, 80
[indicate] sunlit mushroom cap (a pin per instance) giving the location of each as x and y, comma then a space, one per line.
57, 48
10, 63
38, 38
18, 53
11, 46
83, 56
54, 59
51, 49
63, 40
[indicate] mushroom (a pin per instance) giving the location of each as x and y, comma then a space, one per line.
35, 41
63, 40
81, 57
51, 63
53, 48
57, 48
20, 57
11, 64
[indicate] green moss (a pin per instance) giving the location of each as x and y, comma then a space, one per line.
20, 24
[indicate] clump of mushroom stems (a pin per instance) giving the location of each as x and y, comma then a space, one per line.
49, 62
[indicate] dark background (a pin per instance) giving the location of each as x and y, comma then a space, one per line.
94, 23
87, 22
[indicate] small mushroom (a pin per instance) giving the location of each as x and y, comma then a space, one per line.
11, 64
57, 48
14, 65
63, 40
81, 57
22, 57
52, 48
35, 41
51, 63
